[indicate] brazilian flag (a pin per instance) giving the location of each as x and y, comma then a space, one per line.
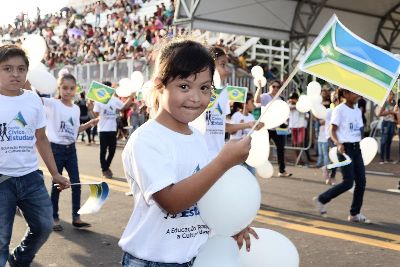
214, 97
100, 93
78, 89
237, 94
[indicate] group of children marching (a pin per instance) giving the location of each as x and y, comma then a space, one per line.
168, 164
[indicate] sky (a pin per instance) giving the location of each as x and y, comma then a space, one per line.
9, 11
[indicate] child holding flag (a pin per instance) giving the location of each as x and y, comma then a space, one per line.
167, 163
63, 127
244, 116
107, 114
22, 127
345, 133
219, 108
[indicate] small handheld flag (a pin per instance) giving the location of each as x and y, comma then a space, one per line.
99, 92
98, 195
237, 93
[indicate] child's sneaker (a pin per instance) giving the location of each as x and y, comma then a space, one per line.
359, 218
320, 207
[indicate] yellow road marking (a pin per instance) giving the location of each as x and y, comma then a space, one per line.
311, 228
317, 223
329, 233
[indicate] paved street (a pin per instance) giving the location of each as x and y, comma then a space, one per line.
286, 208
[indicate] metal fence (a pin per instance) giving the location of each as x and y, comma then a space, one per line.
114, 71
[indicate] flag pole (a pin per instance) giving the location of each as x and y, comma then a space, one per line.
285, 84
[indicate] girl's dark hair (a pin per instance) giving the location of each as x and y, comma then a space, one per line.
66, 76
340, 92
276, 81
61, 78
181, 59
216, 52
9, 51
294, 95
249, 97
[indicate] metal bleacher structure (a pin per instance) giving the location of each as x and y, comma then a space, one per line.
273, 53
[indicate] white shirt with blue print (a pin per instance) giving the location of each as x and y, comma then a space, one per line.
154, 158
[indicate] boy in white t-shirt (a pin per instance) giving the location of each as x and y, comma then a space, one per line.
22, 127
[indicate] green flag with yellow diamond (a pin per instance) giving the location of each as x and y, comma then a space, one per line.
237, 93
100, 93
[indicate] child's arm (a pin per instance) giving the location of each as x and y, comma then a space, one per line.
43, 146
89, 124
334, 138
177, 197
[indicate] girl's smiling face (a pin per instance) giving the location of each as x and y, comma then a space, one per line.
182, 100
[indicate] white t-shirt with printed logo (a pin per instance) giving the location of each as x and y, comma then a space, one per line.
20, 117
108, 114
62, 121
239, 117
154, 158
215, 123
349, 121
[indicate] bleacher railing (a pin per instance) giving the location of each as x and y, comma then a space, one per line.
114, 71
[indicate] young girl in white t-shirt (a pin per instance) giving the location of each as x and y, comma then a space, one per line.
244, 116
345, 133
166, 162
63, 126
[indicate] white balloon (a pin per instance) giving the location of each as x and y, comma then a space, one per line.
200, 123
257, 71
369, 148
313, 88
35, 47
276, 114
304, 104
262, 79
137, 80
218, 251
43, 81
259, 151
146, 93
125, 82
217, 79
224, 209
123, 91
316, 99
265, 170
333, 155
270, 250
319, 111
38, 65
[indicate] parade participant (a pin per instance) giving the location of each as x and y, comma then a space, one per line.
389, 115
279, 140
244, 116
22, 126
107, 114
345, 133
166, 163
63, 127
218, 109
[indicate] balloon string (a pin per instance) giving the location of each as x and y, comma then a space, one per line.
285, 84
